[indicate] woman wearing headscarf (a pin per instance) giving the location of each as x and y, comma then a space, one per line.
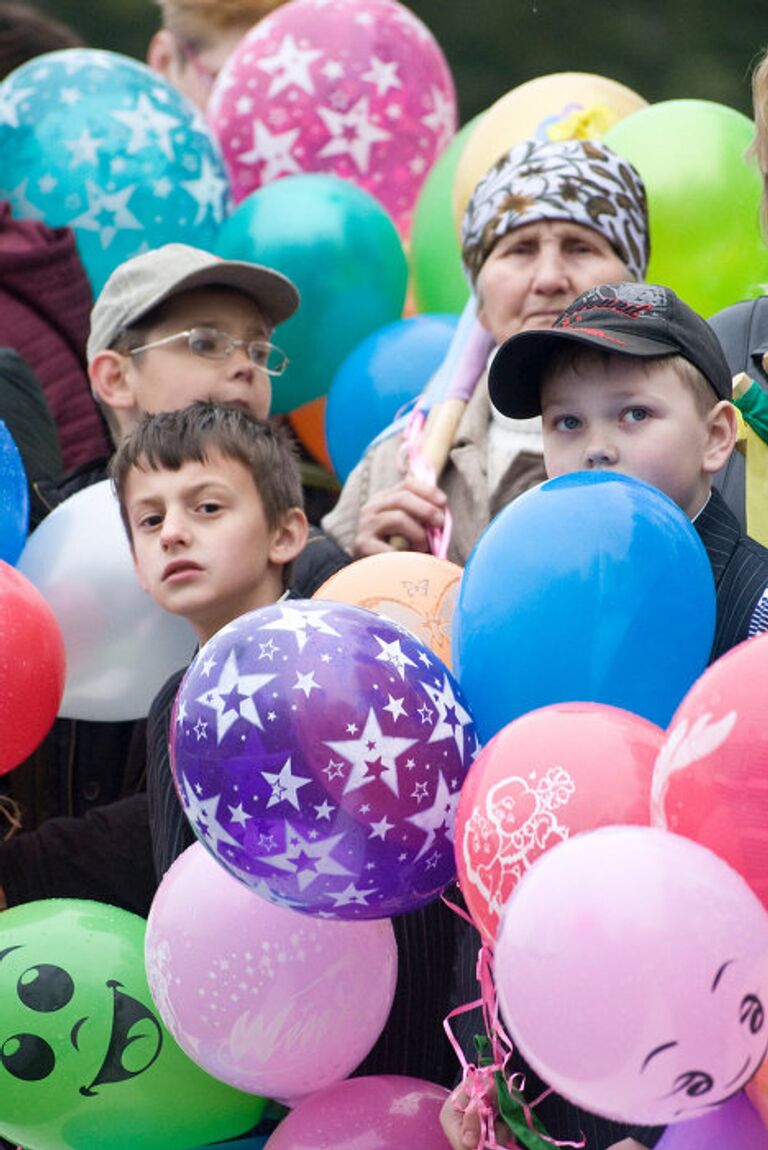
548, 221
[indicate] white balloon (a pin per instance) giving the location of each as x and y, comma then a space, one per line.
121, 647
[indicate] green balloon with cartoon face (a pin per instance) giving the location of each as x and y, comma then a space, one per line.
85, 1061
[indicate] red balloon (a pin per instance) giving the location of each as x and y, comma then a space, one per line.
32, 667
550, 774
711, 780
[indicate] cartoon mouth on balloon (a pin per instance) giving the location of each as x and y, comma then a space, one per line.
132, 1023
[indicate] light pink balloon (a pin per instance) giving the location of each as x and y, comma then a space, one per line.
380, 1112
632, 971
354, 88
269, 1000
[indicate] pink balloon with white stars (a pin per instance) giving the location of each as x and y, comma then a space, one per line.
359, 89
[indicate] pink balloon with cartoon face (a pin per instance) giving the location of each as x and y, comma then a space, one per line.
632, 971
358, 89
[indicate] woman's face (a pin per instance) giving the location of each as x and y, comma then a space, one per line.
535, 271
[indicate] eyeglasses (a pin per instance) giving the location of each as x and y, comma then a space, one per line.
193, 58
209, 343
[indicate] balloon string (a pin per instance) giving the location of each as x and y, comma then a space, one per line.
479, 1083
438, 538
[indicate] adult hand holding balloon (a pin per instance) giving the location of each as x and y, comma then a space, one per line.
632, 971
591, 587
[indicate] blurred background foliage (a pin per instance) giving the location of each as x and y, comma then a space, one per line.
664, 49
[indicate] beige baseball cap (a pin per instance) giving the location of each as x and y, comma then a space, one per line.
140, 284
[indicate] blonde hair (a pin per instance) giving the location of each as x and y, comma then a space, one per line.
199, 20
758, 149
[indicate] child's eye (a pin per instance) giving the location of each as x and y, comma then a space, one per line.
636, 414
149, 522
567, 423
209, 507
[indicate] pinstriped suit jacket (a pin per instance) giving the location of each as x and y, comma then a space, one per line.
740, 568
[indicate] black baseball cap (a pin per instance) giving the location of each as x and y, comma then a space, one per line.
631, 319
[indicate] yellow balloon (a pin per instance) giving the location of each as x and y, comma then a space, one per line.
558, 106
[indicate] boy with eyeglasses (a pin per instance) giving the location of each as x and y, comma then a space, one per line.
170, 326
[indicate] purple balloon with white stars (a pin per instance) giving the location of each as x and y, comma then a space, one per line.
319, 750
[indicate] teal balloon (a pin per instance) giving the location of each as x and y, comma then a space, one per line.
391, 367
14, 499
342, 250
85, 1060
437, 276
101, 143
592, 587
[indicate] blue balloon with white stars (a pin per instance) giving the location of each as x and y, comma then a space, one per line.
99, 142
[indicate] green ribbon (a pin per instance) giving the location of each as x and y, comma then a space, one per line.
753, 405
512, 1104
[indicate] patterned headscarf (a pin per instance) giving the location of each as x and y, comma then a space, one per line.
582, 181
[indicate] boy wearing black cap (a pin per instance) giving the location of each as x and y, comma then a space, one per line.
631, 379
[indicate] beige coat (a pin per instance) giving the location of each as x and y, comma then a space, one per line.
464, 480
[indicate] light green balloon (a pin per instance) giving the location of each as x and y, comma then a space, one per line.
703, 199
438, 282
85, 1061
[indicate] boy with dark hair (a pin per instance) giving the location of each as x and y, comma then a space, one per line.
212, 503
170, 326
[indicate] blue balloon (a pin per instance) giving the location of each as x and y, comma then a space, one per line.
593, 587
341, 249
101, 143
14, 499
387, 370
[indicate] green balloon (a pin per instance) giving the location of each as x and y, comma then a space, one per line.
437, 277
342, 250
703, 199
85, 1061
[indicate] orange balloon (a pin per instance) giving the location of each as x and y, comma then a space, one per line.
558, 106
417, 591
308, 421
757, 1092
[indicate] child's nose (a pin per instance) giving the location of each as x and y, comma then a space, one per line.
601, 455
173, 531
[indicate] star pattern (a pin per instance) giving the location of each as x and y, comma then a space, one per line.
210, 192
440, 815
382, 74
290, 65
342, 796
229, 706
353, 133
371, 747
107, 213
149, 126
273, 151
285, 785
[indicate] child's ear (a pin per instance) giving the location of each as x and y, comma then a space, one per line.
108, 376
721, 436
161, 53
290, 537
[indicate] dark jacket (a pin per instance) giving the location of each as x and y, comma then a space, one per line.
25, 412
45, 305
